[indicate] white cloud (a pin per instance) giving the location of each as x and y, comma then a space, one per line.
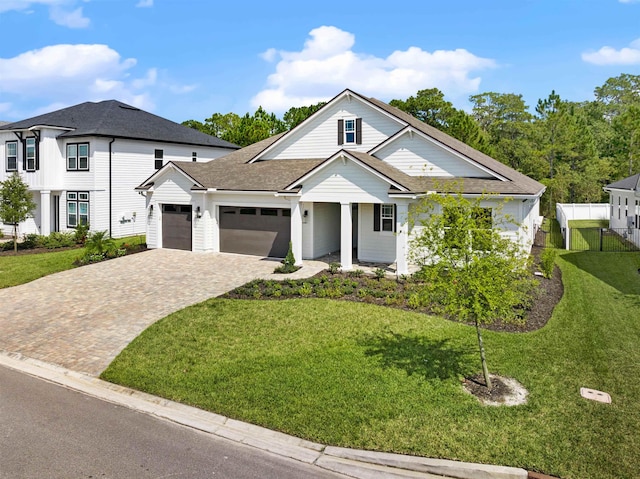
61, 12
327, 64
629, 1
610, 56
66, 18
69, 74
144, 3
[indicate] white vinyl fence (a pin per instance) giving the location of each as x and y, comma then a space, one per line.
566, 212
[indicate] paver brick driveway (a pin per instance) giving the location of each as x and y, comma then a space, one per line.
82, 318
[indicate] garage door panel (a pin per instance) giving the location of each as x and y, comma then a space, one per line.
257, 234
176, 227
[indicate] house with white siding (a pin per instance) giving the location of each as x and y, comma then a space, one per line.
624, 207
343, 180
82, 164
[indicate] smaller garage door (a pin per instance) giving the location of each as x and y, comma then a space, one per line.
176, 227
256, 231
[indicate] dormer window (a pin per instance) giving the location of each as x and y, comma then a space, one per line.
350, 131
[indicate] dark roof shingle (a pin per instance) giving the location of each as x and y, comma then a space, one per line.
630, 183
116, 119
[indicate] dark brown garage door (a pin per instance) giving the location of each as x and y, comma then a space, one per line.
176, 227
256, 231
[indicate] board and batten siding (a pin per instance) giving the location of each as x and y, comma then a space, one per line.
171, 188
417, 156
318, 137
340, 181
374, 246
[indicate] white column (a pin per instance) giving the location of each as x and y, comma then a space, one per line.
296, 230
402, 239
346, 241
45, 213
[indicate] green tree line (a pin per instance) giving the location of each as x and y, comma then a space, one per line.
574, 148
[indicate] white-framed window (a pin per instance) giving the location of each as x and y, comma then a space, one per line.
11, 152
30, 154
384, 217
78, 156
194, 156
77, 208
387, 217
350, 131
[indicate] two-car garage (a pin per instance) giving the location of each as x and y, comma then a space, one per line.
255, 231
245, 230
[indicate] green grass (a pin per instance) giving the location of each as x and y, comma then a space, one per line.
594, 239
364, 376
553, 234
20, 269
588, 223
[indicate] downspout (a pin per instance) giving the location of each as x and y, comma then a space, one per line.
110, 189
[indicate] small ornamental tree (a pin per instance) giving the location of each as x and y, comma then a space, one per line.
471, 272
16, 203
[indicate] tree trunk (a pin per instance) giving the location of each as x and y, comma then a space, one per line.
485, 369
15, 238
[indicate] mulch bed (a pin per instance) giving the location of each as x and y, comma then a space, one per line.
476, 385
549, 293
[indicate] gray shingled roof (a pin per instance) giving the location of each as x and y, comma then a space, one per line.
235, 172
112, 118
631, 183
232, 172
523, 184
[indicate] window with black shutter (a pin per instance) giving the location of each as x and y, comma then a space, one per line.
350, 131
384, 217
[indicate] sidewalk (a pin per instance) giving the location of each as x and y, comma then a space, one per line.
349, 462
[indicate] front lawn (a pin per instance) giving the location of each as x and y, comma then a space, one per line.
366, 376
26, 266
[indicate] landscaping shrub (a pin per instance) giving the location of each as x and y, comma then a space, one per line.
81, 233
57, 240
548, 261
288, 263
334, 268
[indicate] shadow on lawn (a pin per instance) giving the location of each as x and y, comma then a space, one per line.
431, 359
619, 270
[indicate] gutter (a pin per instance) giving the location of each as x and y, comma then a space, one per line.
110, 189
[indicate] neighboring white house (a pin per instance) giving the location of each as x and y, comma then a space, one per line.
624, 202
82, 163
344, 179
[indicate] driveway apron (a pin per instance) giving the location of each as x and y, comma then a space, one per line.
82, 318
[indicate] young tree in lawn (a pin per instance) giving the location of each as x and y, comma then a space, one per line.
16, 203
471, 272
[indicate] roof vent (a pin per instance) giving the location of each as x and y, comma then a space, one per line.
127, 107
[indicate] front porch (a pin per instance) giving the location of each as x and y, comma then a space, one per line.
355, 235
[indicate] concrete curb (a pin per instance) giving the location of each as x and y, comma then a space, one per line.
349, 462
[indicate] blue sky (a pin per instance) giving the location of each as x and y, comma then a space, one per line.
187, 59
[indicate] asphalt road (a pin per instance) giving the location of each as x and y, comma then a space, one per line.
47, 431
